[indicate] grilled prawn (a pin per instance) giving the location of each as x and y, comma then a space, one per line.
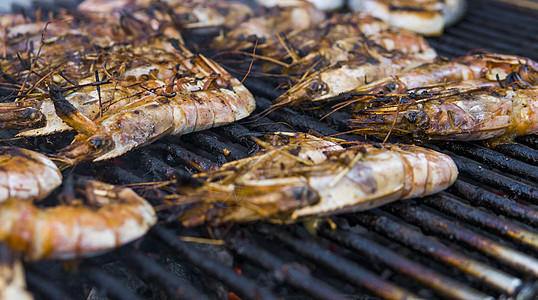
428, 17
188, 14
484, 65
354, 59
102, 218
174, 105
111, 217
130, 73
467, 110
299, 175
12, 281
265, 28
26, 175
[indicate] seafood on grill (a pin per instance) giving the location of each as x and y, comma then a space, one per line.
331, 82
338, 40
105, 218
26, 175
188, 14
128, 70
481, 65
96, 218
12, 281
267, 25
466, 110
174, 105
327, 5
428, 17
298, 176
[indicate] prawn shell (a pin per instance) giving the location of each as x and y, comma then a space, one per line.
12, 280
26, 175
66, 232
380, 177
477, 111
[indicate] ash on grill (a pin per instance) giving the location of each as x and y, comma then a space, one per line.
477, 240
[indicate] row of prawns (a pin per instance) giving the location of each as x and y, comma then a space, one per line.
138, 83
482, 96
391, 78
119, 75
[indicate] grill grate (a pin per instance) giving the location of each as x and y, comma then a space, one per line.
477, 240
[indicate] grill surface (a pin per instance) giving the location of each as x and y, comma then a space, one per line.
478, 240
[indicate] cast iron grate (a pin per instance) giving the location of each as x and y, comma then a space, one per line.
478, 240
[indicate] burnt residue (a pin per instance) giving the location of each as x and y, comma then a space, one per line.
296, 275
453, 206
433, 248
514, 188
345, 269
494, 159
492, 201
440, 283
519, 151
438, 225
241, 285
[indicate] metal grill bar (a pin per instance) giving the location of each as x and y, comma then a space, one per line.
211, 143
244, 287
447, 49
291, 273
344, 268
475, 38
151, 271
431, 247
505, 206
431, 222
511, 32
262, 89
473, 170
44, 286
520, 152
494, 159
529, 140
107, 283
237, 133
443, 285
482, 28
307, 123
156, 168
185, 156
512, 19
297, 122
454, 207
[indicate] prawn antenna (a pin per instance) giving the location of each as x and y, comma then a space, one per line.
99, 94
394, 121
251, 62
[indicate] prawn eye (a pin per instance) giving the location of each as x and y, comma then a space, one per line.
412, 116
96, 142
306, 196
318, 86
